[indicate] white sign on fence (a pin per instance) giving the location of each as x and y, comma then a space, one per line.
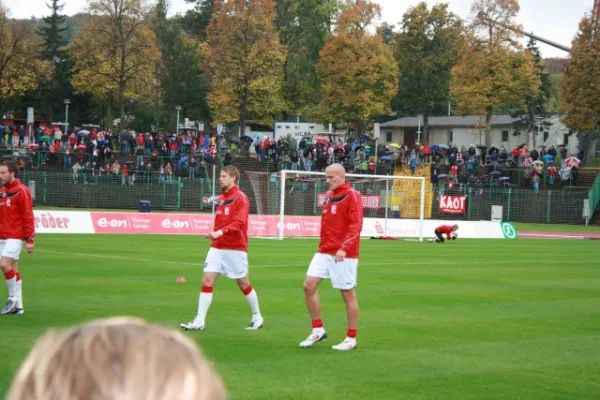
497, 213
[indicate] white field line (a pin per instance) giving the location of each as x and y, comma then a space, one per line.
554, 235
305, 265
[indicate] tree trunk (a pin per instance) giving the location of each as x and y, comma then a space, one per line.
243, 112
425, 136
121, 106
488, 127
122, 83
532, 129
108, 123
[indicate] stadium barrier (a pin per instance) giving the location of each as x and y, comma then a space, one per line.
562, 206
259, 226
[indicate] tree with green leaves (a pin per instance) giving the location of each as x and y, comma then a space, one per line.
195, 21
493, 69
53, 32
303, 26
580, 86
180, 78
426, 48
536, 101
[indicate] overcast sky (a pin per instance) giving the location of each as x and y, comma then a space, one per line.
556, 20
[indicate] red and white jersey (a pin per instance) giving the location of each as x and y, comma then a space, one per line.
341, 222
445, 229
16, 212
232, 212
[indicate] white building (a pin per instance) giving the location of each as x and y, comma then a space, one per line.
468, 130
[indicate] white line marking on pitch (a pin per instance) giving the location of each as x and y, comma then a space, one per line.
155, 261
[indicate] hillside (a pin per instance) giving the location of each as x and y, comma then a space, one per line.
73, 23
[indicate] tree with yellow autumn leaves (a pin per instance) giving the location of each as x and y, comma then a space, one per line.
494, 69
116, 53
357, 70
21, 70
244, 61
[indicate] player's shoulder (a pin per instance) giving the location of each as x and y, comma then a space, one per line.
243, 196
355, 194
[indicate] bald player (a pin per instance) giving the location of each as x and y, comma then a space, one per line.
337, 256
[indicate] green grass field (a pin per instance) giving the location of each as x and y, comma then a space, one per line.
471, 319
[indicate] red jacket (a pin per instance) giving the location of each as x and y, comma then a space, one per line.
16, 212
232, 212
444, 229
341, 222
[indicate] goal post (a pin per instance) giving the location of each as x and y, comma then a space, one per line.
290, 202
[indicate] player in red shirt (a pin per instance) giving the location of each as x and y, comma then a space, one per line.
228, 254
337, 256
448, 230
16, 225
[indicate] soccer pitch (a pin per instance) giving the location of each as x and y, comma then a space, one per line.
470, 319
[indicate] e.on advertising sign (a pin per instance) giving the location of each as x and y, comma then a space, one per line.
151, 223
452, 204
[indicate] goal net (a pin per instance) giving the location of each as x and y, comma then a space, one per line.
288, 204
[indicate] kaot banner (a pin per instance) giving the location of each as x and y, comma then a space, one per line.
452, 204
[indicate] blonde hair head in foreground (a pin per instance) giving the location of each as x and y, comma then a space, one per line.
117, 359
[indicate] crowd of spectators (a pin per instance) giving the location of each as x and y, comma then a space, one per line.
163, 156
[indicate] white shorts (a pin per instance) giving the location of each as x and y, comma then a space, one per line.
11, 248
342, 274
231, 263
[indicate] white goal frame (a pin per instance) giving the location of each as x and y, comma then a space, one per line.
388, 178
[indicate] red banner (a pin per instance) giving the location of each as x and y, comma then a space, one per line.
452, 204
368, 201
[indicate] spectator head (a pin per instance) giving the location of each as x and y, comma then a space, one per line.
117, 358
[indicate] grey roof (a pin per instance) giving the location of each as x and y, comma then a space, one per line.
453, 121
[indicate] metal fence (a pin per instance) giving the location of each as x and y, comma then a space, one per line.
119, 192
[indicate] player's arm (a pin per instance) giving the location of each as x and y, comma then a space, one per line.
355, 218
240, 217
27, 219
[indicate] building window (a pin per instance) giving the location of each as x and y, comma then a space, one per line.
450, 136
546, 134
566, 138
505, 136
388, 136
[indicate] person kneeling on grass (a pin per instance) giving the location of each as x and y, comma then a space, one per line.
449, 231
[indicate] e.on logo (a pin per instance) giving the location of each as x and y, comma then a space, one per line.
112, 223
290, 226
177, 224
